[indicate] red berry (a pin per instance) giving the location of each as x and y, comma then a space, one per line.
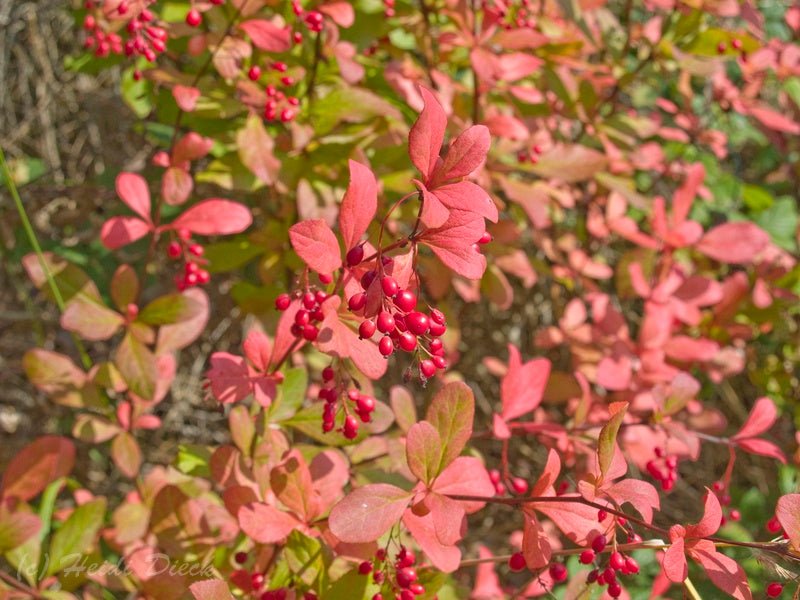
773, 525
386, 346
436, 346
519, 485
325, 278
193, 18
405, 300
437, 316
558, 572
774, 589
736, 43
587, 557
437, 330
309, 301
302, 317
357, 301
355, 255
721, 47
367, 279
310, 333
614, 589
327, 374
389, 286
350, 427
366, 330
385, 322
240, 557
256, 580
494, 476
599, 543
516, 562
203, 277
280, 66
440, 362
254, 73
406, 559
407, 341
174, 250
485, 238
196, 250
631, 566
365, 404
417, 323
365, 567
601, 515
427, 368
406, 576
617, 561
735, 515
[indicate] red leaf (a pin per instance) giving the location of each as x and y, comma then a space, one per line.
341, 13
176, 186
775, 120
179, 335
468, 197
37, 465
258, 349
447, 516
214, 216
126, 454
466, 153
788, 513
686, 349
191, 147
317, 245
523, 386
121, 231
424, 451
266, 524
186, 97
90, 319
467, 476
711, 521
446, 558
487, 583
536, 546
426, 136
685, 195
639, 494
290, 480
358, 205
434, 213
229, 377
674, 563
737, 242
727, 574
267, 35
256, 150
453, 244
367, 513
761, 418
132, 190
762, 448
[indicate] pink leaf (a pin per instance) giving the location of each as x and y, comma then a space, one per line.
191, 147
685, 195
468, 197
256, 147
788, 513
761, 418
614, 372
523, 386
775, 120
121, 231
176, 186
90, 319
446, 558
762, 448
341, 13
317, 245
229, 377
211, 589
424, 451
290, 481
674, 564
467, 476
214, 216
367, 513
453, 244
711, 521
736, 242
639, 494
451, 413
434, 213
447, 516
487, 583
179, 335
725, 573
426, 136
258, 349
267, 35
536, 546
186, 97
466, 153
132, 190
358, 205
266, 524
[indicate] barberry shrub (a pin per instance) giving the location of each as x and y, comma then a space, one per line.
602, 193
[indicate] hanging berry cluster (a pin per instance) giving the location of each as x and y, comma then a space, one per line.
191, 253
400, 575
142, 37
338, 399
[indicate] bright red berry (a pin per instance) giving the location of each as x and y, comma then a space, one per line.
350, 427
389, 286
240, 557
417, 322
385, 322
427, 368
516, 562
405, 300
193, 18
365, 567
407, 341
406, 576
366, 330
174, 250
617, 561
355, 255
386, 346
599, 543
587, 557
614, 589
774, 589
519, 485
357, 301
558, 572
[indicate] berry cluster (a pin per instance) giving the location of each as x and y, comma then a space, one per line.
142, 37
388, 8
517, 484
278, 104
724, 498
606, 572
194, 18
736, 44
397, 320
510, 15
530, 155
664, 469
404, 583
306, 318
352, 400
193, 261
254, 581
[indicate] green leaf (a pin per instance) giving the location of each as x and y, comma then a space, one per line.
607, 439
756, 198
452, 412
126, 454
306, 558
780, 221
137, 365
291, 394
351, 585
124, 287
169, 309
230, 255
193, 460
16, 528
424, 452
76, 535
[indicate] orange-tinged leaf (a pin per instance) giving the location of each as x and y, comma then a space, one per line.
452, 412
38, 464
367, 513
424, 451
607, 440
